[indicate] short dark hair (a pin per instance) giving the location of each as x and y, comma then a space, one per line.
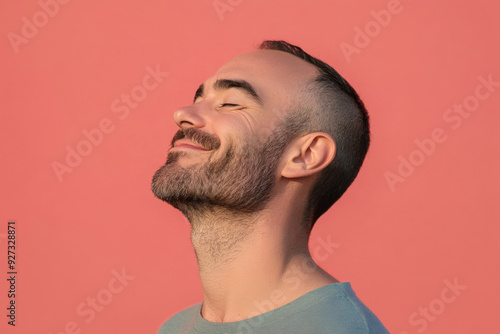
338, 111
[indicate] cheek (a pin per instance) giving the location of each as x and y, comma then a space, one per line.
243, 126
233, 128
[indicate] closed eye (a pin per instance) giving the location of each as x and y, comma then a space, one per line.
229, 105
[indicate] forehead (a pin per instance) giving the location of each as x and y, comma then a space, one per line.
276, 76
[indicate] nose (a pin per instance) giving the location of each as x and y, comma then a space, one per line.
189, 116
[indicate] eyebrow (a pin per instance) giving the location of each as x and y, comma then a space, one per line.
224, 84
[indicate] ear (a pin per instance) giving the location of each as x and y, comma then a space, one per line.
308, 155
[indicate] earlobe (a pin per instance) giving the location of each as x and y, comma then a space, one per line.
308, 155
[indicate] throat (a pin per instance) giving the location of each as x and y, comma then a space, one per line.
218, 238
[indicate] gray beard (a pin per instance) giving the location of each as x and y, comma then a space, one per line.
239, 183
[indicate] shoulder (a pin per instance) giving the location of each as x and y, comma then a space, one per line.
182, 321
339, 307
334, 308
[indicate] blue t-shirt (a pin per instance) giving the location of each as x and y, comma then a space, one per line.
332, 309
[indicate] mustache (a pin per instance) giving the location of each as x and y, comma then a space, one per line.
206, 140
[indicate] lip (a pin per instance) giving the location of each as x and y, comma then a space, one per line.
183, 143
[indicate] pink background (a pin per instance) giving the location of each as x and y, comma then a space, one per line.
398, 244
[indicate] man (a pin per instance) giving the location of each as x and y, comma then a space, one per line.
270, 142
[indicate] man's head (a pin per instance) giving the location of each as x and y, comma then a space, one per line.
245, 117
337, 110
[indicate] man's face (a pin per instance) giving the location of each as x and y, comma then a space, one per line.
227, 151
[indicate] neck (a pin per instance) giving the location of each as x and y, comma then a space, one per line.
218, 238
252, 264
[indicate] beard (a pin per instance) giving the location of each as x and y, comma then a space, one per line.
238, 181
